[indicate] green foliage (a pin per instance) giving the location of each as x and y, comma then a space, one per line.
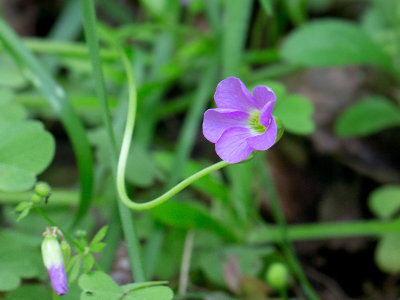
387, 253
13, 78
26, 149
18, 259
189, 215
384, 202
332, 43
368, 116
250, 261
100, 286
295, 113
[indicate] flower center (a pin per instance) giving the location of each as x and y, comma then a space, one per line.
255, 124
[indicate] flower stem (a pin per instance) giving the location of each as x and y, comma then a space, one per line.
123, 156
89, 21
286, 246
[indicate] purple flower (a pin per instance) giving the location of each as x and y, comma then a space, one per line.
242, 122
53, 261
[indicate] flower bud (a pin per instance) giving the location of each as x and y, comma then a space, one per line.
277, 276
43, 189
36, 198
53, 261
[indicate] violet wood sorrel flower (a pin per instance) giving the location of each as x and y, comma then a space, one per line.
53, 261
242, 122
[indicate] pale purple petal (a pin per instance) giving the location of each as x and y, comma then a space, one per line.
232, 93
263, 95
217, 120
266, 114
58, 279
265, 140
232, 146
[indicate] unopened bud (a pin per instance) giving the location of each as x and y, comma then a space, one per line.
277, 276
53, 261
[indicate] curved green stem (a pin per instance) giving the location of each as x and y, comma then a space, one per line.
123, 156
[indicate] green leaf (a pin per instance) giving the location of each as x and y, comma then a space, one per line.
139, 285
18, 259
368, 116
24, 213
151, 293
26, 149
100, 235
97, 247
99, 286
60, 103
13, 78
295, 113
387, 253
8, 281
384, 202
23, 205
332, 43
87, 262
26, 291
189, 216
73, 268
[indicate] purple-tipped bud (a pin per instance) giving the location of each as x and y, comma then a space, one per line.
53, 261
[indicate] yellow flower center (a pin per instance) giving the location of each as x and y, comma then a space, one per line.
255, 124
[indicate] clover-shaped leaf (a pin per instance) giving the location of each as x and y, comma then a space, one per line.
387, 253
368, 116
26, 149
384, 202
295, 113
332, 43
100, 286
17, 260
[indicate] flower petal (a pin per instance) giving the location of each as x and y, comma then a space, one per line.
232, 93
217, 120
58, 279
263, 95
266, 114
265, 140
232, 146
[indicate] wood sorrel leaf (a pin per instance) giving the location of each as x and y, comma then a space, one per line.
26, 149
295, 113
332, 43
368, 116
387, 253
100, 286
384, 202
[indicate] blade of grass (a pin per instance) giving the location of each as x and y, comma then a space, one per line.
236, 22
89, 21
60, 103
